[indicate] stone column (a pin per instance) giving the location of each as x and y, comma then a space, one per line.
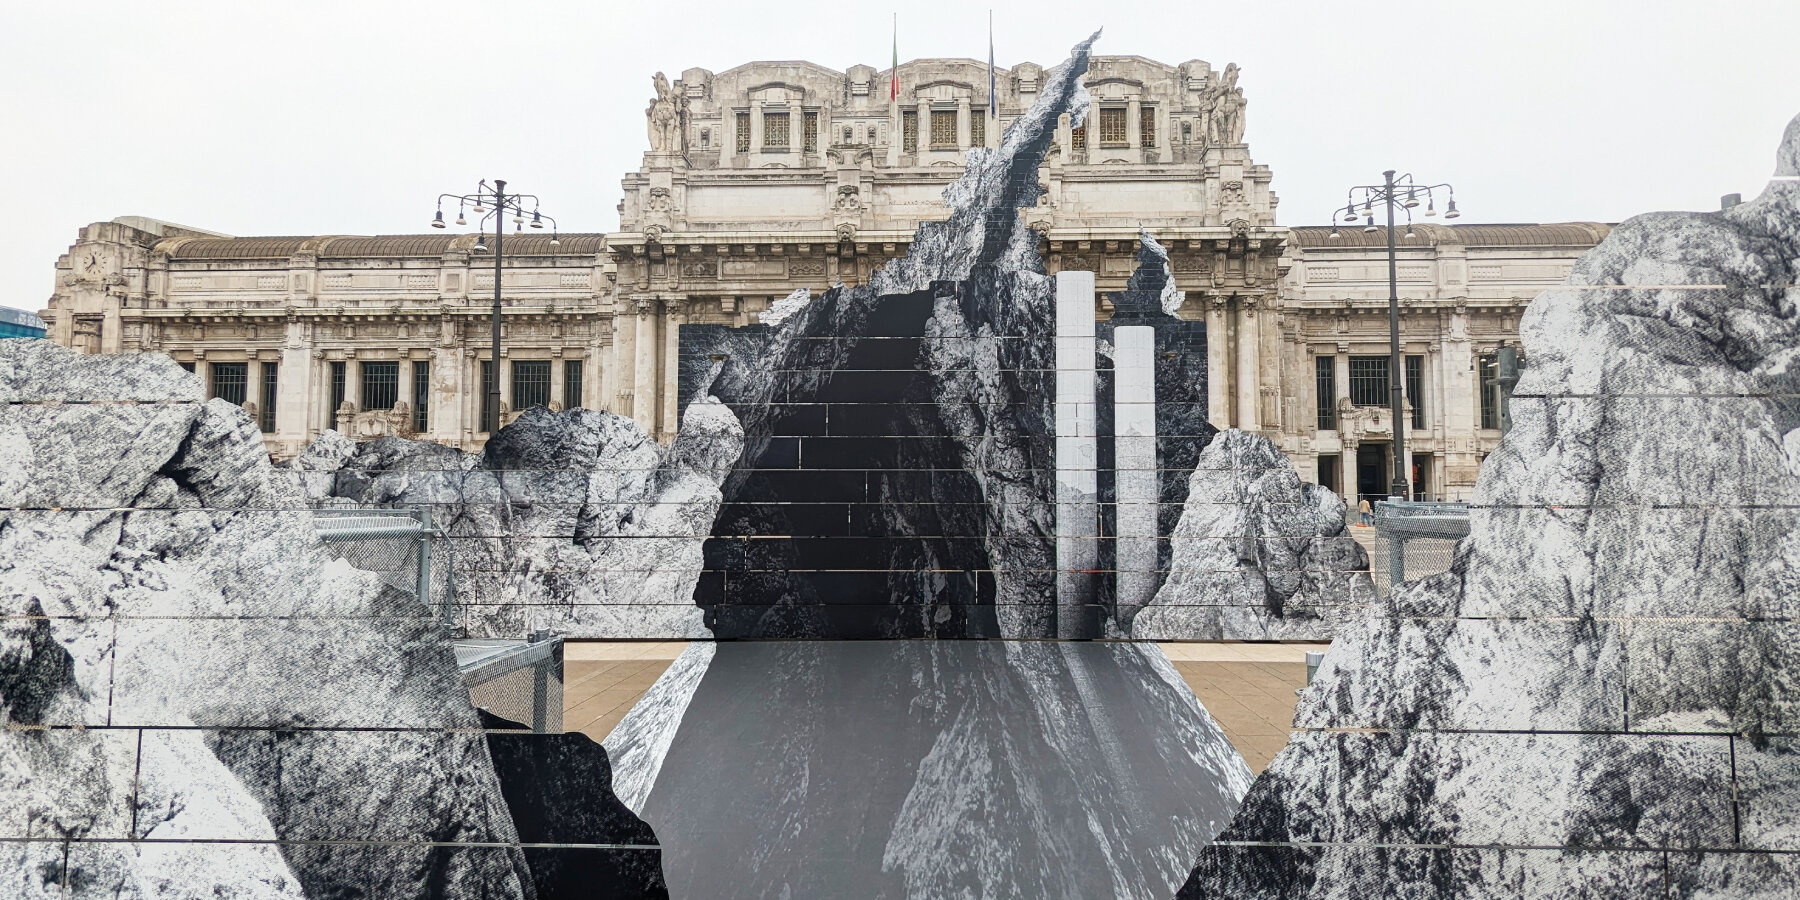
1077, 482
1133, 136
894, 130
293, 382
556, 378
448, 387
756, 131
1347, 471
962, 124
403, 387
676, 314
1218, 364
1134, 465
643, 391
796, 133
1249, 362
352, 383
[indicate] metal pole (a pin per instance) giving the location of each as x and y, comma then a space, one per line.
424, 581
493, 412
1401, 488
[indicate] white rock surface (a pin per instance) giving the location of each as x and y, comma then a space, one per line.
1258, 554
184, 667
1599, 698
573, 521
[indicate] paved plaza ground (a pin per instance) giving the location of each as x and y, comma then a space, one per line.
1247, 687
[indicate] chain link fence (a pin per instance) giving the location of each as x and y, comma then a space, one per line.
1414, 540
518, 680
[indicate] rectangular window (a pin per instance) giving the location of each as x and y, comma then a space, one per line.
1488, 383
572, 384
380, 385
1325, 379
812, 132
337, 391
743, 132
1147, 126
1369, 380
775, 131
487, 392
1078, 137
978, 128
943, 128
228, 380
265, 408
909, 131
1415, 389
1112, 125
531, 383
421, 396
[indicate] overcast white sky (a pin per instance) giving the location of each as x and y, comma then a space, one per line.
331, 117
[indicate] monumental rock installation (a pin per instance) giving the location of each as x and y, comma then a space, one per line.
899, 481
200, 700
1599, 699
575, 521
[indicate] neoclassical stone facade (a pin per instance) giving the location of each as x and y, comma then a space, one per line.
775, 176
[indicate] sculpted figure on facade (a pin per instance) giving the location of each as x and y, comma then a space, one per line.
664, 115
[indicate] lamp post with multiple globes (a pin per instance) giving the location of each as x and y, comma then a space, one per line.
492, 201
1403, 193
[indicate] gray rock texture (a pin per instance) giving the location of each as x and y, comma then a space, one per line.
1600, 698
1258, 554
573, 521
193, 689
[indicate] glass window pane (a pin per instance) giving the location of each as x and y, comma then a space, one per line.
1147, 126
1369, 380
380, 385
337, 390
228, 381
812, 132
743, 132
775, 130
265, 408
421, 396
1325, 377
1489, 387
977, 127
572, 384
943, 128
1078, 137
1112, 125
530, 383
1415, 388
909, 131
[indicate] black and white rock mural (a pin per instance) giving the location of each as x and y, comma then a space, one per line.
576, 522
901, 769
201, 701
1600, 698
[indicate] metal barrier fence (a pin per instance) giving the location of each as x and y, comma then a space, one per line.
518, 680
398, 544
1414, 540
521, 681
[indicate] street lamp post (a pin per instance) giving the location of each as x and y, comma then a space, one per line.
1404, 193
495, 202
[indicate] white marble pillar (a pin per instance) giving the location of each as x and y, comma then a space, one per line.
1134, 111
1347, 469
448, 387
643, 391
1134, 467
403, 383
556, 380
1218, 365
796, 133
671, 370
503, 371
293, 381
352, 385
962, 124
1077, 482
1249, 361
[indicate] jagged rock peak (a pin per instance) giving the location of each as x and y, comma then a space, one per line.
1599, 698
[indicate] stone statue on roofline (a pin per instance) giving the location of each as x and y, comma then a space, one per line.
664, 117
